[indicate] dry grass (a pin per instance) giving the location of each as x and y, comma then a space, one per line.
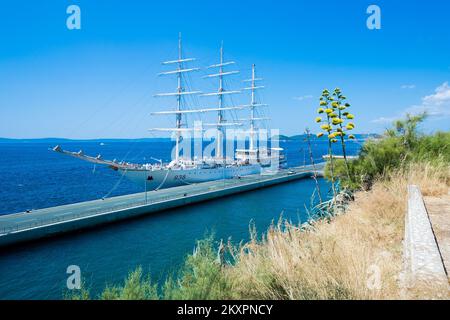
358, 255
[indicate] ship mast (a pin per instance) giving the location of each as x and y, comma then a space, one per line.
181, 108
253, 104
252, 111
179, 90
220, 117
178, 94
221, 121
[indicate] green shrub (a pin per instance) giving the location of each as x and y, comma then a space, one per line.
433, 147
401, 144
81, 294
202, 276
135, 288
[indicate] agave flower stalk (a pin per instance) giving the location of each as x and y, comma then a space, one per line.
308, 134
325, 108
340, 105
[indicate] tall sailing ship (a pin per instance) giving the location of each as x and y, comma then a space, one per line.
186, 169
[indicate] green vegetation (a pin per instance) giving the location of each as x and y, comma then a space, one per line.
136, 287
319, 259
324, 259
334, 106
200, 278
401, 145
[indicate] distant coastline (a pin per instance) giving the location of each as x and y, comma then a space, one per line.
301, 137
297, 137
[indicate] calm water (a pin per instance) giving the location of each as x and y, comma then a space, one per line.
33, 177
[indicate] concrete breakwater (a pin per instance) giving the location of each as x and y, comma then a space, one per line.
42, 223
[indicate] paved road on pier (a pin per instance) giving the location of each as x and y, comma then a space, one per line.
41, 217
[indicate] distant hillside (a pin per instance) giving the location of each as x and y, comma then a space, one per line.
301, 137
298, 137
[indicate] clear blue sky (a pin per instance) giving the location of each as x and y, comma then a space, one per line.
98, 81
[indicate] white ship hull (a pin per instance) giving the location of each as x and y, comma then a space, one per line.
166, 178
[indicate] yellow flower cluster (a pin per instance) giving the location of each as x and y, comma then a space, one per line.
333, 106
337, 121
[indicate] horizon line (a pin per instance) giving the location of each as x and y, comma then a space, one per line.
142, 138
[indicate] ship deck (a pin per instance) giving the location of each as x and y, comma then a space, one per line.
42, 223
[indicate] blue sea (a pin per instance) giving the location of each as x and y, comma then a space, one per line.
33, 177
